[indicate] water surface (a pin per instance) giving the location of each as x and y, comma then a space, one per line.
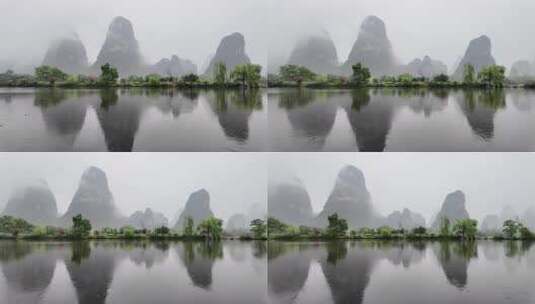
383, 272
401, 120
132, 120
132, 272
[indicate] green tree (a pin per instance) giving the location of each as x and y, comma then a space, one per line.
275, 226
445, 226
385, 232
441, 78
492, 76
296, 73
211, 228
188, 227
81, 227
108, 75
258, 228
419, 230
361, 75
162, 230
337, 226
466, 228
49, 74
247, 74
220, 73
14, 226
469, 74
511, 228
190, 78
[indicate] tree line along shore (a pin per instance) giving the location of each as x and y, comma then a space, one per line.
81, 228
246, 76
491, 77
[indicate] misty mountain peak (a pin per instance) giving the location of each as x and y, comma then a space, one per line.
33, 202
317, 52
290, 202
67, 54
197, 207
350, 199
372, 49
373, 25
453, 208
121, 49
478, 54
231, 52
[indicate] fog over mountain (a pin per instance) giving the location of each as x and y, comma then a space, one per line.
440, 29
131, 182
190, 29
424, 183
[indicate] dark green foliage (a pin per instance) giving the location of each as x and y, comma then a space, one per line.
49, 74
161, 230
211, 228
337, 226
258, 228
296, 73
465, 229
109, 75
492, 76
419, 230
361, 75
441, 78
14, 226
190, 78
81, 227
247, 74
469, 74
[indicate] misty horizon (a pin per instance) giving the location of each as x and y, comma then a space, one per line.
270, 27
142, 180
488, 187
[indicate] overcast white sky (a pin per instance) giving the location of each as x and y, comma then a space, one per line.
190, 29
161, 181
419, 181
439, 28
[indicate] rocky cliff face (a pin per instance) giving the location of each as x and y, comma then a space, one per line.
197, 207
175, 67
35, 203
231, 52
478, 54
94, 201
120, 49
405, 219
350, 199
425, 67
372, 49
453, 208
289, 202
147, 219
317, 53
68, 55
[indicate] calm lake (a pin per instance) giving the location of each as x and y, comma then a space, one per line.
133, 272
132, 120
383, 272
401, 120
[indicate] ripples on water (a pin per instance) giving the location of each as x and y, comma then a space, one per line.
381, 272
132, 120
401, 120
133, 272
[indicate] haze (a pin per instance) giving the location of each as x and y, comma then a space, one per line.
419, 181
441, 29
161, 181
190, 29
